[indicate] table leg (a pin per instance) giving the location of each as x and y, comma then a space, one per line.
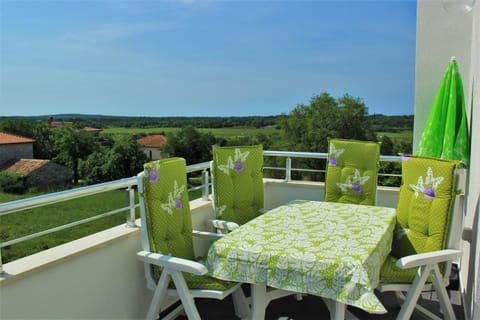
338, 311
259, 301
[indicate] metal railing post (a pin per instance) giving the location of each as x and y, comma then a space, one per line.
131, 204
1, 263
288, 169
205, 181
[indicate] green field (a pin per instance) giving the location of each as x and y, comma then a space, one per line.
404, 135
18, 224
217, 132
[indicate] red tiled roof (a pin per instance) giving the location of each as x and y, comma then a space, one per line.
6, 138
57, 124
25, 166
153, 141
92, 129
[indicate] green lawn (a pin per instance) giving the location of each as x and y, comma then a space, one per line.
18, 224
218, 132
26, 222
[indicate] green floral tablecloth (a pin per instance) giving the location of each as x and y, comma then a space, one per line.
332, 250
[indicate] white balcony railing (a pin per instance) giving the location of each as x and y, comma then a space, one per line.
129, 185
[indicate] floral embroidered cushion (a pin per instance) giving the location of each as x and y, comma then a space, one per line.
423, 213
352, 171
167, 207
237, 179
168, 218
424, 205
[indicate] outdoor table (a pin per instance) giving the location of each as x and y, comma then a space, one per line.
332, 250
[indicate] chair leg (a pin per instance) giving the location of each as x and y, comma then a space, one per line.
185, 296
242, 308
159, 293
443, 297
414, 292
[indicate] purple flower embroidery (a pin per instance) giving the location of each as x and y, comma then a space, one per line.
153, 176
178, 204
332, 161
429, 193
238, 166
356, 187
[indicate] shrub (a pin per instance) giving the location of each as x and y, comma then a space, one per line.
12, 182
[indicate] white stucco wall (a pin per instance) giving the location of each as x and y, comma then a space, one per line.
440, 35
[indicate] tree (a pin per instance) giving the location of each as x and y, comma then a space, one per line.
387, 146
308, 127
43, 148
71, 145
354, 122
19, 127
190, 144
123, 159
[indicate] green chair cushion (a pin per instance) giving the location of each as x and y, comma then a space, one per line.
197, 282
167, 207
424, 205
423, 213
238, 182
352, 171
390, 273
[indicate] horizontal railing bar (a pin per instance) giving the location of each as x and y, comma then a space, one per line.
65, 226
198, 166
51, 198
315, 155
319, 155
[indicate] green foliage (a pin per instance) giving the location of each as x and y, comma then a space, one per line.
392, 123
12, 183
190, 144
72, 145
18, 126
308, 127
13, 226
43, 148
123, 158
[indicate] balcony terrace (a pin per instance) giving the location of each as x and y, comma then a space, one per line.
98, 276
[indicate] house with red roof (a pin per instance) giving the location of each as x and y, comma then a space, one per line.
14, 147
151, 145
16, 156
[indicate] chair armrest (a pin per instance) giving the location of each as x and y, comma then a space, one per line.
170, 262
224, 225
416, 260
207, 235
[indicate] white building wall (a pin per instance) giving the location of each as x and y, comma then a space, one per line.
15, 151
440, 35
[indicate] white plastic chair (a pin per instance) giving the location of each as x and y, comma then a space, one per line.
167, 243
432, 268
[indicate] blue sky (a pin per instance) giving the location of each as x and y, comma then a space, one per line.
203, 58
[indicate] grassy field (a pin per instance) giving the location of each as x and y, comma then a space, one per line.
27, 222
404, 135
218, 132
